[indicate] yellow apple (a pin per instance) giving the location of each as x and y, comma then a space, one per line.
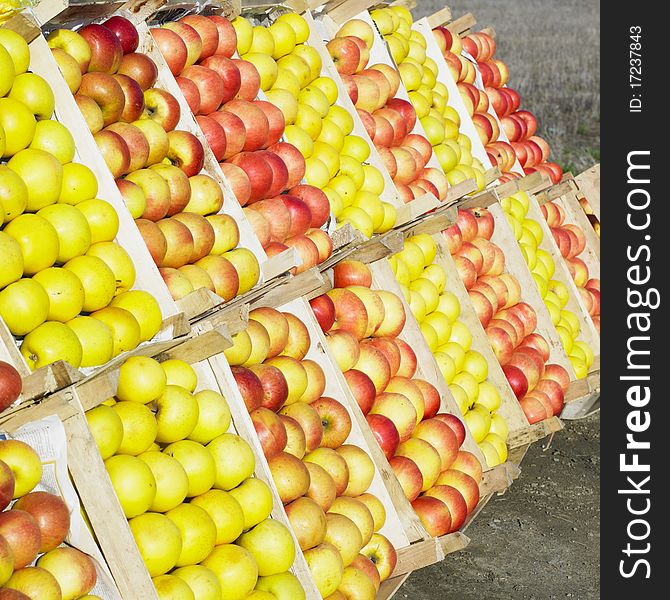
144, 307
65, 291
358, 219
309, 120
124, 326
103, 220
284, 38
352, 168
266, 67
17, 48
50, 342
25, 464
202, 581
300, 139
74, 234
96, 277
213, 417
198, 463
235, 568
170, 587
141, 379
234, 460
311, 57
198, 533
16, 120
298, 66
316, 172
245, 31
139, 427
171, 480
24, 306
328, 156
372, 205
13, 194
247, 267
299, 25
180, 373
373, 180
225, 512
96, 339
106, 428
313, 96
42, 174
157, 538
284, 101
53, 137
356, 147
271, 544
284, 586
331, 134
35, 93
79, 184
176, 411
287, 81
328, 87
240, 351
133, 483
255, 499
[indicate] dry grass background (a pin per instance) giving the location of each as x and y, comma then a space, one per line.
552, 49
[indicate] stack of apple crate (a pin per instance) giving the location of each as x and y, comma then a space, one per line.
64, 391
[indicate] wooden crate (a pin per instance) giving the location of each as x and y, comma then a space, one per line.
95, 489
422, 549
174, 327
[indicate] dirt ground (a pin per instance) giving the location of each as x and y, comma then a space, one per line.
540, 540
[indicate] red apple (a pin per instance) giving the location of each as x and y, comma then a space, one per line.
10, 388
434, 515
22, 532
125, 31
408, 476
453, 500
275, 387
172, 47
517, 380
250, 80
250, 387
456, 425
106, 49
385, 433
51, 514
313, 197
258, 171
270, 430
335, 420
362, 388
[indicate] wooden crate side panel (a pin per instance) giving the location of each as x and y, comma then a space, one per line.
588, 183
510, 409
104, 512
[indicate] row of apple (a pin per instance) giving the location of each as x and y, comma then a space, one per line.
317, 123
419, 73
158, 163
571, 243
67, 286
423, 280
520, 126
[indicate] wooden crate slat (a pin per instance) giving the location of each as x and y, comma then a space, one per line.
462, 24
439, 18
588, 183
535, 432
